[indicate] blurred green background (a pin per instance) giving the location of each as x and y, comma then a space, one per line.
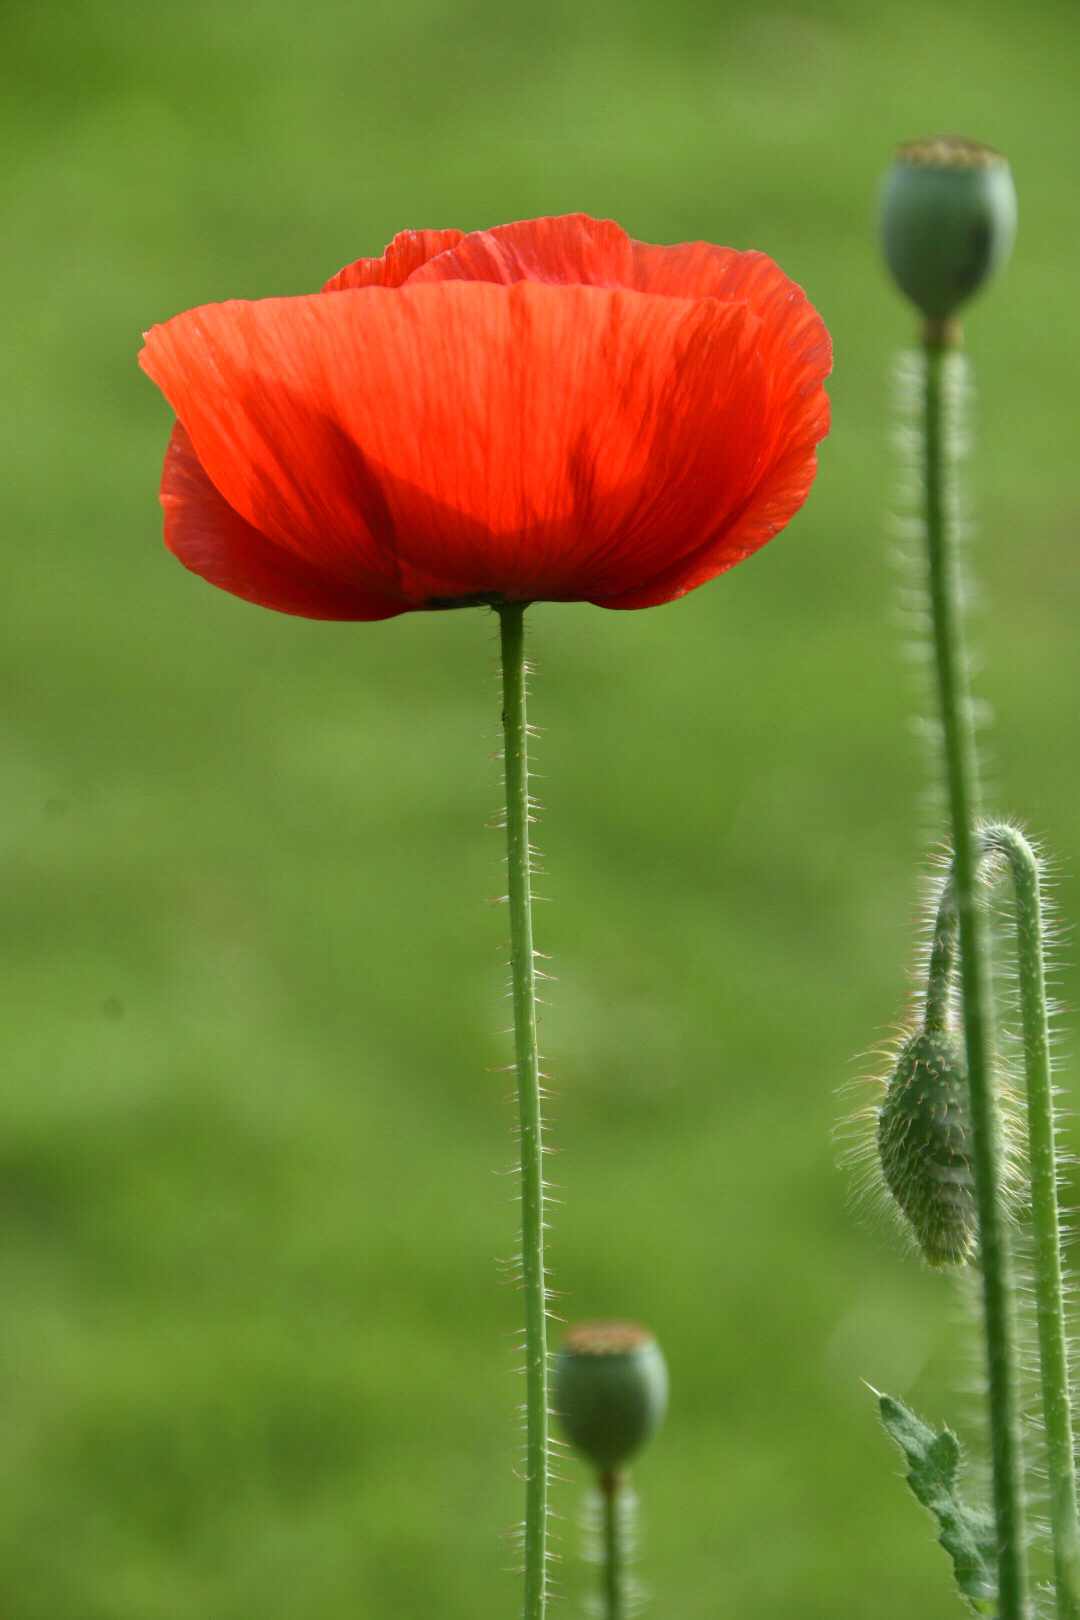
255, 1356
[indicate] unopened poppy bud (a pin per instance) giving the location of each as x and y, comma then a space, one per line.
611, 1390
948, 221
924, 1144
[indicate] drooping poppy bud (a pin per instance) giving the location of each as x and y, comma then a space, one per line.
611, 1390
948, 221
924, 1145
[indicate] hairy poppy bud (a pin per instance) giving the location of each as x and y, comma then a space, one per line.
611, 1390
924, 1144
948, 220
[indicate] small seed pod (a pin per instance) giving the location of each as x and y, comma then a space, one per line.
948, 221
611, 1390
924, 1145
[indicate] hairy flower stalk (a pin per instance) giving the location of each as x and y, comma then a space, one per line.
1001, 843
1023, 866
523, 977
962, 784
614, 1558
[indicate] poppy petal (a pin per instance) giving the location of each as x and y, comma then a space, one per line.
204, 532
766, 512
792, 340
571, 250
798, 419
460, 439
406, 253
576, 249
796, 352
596, 252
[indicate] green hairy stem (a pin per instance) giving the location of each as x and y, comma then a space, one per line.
1049, 1294
962, 784
523, 978
942, 962
613, 1563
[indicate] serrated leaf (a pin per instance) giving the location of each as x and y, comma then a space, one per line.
967, 1533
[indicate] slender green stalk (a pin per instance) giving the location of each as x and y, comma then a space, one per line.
962, 782
1049, 1294
523, 978
613, 1568
942, 961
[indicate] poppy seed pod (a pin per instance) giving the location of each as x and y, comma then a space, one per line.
611, 1390
924, 1144
948, 221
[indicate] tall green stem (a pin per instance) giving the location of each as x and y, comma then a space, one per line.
614, 1553
523, 978
962, 782
1049, 1294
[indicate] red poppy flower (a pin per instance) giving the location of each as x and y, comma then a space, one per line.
548, 410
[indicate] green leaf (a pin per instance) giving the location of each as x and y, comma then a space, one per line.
967, 1533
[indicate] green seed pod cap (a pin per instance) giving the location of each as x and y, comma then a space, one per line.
611, 1390
948, 220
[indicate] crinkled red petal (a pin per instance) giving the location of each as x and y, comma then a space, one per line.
407, 252
792, 341
459, 439
213, 540
566, 251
